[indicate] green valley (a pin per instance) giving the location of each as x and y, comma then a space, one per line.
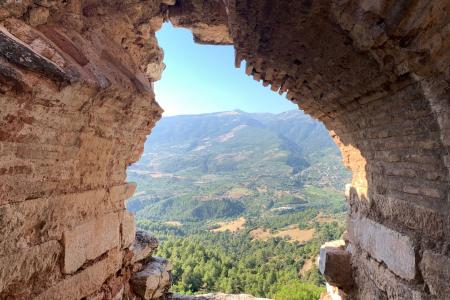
241, 202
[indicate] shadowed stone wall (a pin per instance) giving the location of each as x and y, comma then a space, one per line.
77, 102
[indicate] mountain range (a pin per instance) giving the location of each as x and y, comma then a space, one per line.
228, 164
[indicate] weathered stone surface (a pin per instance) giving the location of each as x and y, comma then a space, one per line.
154, 70
65, 44
143, 246
38, 16
374, 280
17, 52
435, 270
90, 240
335, 265
12, 77
385, 245
86, 281
52, 215
122, 192
39, 264
154, 280
207, 20
127, 229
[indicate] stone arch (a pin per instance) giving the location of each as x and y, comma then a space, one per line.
77, 103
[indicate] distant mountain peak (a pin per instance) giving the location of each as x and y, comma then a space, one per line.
231, 112
291, 114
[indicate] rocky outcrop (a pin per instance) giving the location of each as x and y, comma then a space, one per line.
153, 280
150, 276
77, 103
208, 20
143, 246
335, 265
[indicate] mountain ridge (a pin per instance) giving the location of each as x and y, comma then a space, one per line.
263, 161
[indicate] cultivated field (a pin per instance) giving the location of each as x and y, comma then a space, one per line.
292, 232
232, 226
296, 234
261, 234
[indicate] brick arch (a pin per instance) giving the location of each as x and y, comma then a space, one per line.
77, 103
380, 85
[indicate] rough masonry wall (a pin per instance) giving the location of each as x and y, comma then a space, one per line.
76, 104
377, 74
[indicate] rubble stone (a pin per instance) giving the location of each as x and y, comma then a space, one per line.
436, 273
335, 265
39, 16
143, 246
153, 280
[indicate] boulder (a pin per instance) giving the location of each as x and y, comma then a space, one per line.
144, 245
335, 265
154, 280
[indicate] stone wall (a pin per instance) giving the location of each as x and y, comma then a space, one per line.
77, 103
76, 106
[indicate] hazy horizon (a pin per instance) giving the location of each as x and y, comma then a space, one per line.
237, 110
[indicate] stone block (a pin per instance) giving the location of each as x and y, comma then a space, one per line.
143, 246
436, 273
385, 245
127, 229
401, 210
335, 265
122, 192
86, 281
90, 240
38, 265
154, 279
52, 215
38, 16
375, 280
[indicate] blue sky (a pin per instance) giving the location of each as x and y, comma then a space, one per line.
202, 79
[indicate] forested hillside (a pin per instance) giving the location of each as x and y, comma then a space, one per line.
205, 261
235, 163
241, 202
